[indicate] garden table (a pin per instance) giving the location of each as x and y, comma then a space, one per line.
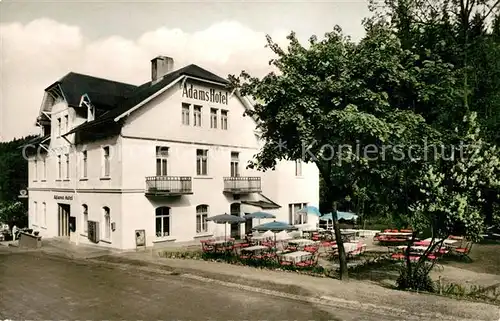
259, 238
301, 242
446, 242
297, 256
348, 246
418, 248
395, 234
255, 248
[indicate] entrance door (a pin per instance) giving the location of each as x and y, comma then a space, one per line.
235, 228
63, 219
248, 225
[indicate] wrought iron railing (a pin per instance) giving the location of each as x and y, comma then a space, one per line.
169, 185
242, 184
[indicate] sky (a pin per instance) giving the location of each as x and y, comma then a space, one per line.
41, 41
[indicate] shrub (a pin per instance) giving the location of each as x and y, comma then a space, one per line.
418, 280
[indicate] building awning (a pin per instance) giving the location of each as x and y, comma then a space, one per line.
263, 202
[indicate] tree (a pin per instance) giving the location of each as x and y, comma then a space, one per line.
13, 178
13, 213
337, 104
13, 169
460, 32
452, 193
466, 35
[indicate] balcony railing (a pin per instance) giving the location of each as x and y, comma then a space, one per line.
241, 185
168, 185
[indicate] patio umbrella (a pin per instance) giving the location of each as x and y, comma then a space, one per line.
225, 219
310, 210
275, 227
340, 215
259, 215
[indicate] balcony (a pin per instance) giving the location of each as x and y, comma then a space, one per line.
168, 185
242, 185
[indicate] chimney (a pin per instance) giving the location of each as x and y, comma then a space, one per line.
160, 66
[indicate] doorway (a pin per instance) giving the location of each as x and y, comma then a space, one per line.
235, 228
63, 214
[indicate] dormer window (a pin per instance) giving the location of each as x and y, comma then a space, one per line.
85, 101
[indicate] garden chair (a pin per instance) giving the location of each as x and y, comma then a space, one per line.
397, 256
284, 263
206, 247
311, 249
463, 252
308, 263
245, 256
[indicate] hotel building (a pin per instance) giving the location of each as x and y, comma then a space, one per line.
119, 165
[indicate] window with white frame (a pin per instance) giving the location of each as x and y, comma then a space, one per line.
295, 217
84, 164
201, 162
201, 219
35, 213
58, 127
85, 218
197, 115
298, 167
162, 217
161, 160
44, 213
213, 118
67, 166
185, 114
223, 119
235, 163
59, 167
35, 168
107, 223
44, 169
106, 161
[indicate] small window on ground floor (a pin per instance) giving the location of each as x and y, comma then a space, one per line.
201, 219
162, 221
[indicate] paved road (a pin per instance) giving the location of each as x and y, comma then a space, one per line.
35, 286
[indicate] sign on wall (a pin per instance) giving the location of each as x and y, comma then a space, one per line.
23, 193
63, 197
140, 238
210, 95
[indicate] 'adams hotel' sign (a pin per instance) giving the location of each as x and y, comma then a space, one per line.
211, 95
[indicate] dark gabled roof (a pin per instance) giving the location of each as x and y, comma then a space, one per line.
139, 94
103, 93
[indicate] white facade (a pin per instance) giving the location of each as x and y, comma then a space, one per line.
105, 180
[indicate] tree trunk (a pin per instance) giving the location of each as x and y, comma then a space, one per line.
344, 275
332, 207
